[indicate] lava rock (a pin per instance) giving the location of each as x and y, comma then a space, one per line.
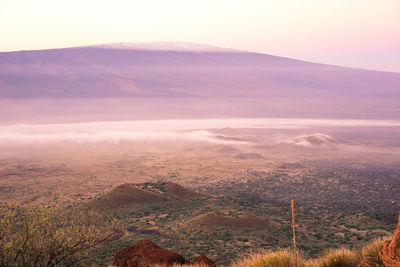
202, 259
146, 253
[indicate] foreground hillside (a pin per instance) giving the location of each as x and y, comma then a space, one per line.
376, 253
182, 219
373, 254
178, 219
223, 228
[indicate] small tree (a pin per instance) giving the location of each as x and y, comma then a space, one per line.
44, 236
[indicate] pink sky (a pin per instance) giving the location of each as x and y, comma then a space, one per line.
359, 33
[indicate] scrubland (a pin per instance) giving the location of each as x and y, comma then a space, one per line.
238, 183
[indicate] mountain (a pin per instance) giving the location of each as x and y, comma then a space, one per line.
178, 69
257, 84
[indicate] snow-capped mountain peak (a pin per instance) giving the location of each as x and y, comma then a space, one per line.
164, 46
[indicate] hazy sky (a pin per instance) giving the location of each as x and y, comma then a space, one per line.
361, 33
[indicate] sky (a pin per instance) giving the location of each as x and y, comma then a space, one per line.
356, 33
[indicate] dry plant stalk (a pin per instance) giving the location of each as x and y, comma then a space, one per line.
294, 232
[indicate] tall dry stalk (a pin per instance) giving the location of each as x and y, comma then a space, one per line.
294, 233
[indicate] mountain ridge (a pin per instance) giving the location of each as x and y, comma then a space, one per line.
204, 82
180, 46
176, 46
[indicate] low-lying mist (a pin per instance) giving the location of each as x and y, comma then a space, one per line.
73, 162
198, 130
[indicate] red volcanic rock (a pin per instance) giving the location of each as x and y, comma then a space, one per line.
390, 252
146, 253
202, 259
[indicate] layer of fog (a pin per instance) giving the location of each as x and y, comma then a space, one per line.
162, 130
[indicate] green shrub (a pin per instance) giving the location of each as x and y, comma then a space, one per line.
43, 236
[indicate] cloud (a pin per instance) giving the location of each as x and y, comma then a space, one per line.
111, 137
164, 130
306, 140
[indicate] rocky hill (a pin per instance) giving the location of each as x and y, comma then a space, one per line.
142, 195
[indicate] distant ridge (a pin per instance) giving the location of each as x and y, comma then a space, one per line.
172, 79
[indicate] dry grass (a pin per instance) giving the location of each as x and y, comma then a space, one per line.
286, 258
279, 258
174, 265
180, 265
190, 265
341, 257
370, 251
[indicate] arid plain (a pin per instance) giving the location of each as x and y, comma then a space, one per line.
342, 174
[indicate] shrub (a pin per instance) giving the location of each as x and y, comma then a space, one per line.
43, 236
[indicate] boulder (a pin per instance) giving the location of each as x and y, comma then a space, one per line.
390, 252
146, 253
203, 260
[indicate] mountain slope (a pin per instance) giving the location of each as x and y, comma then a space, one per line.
182, 80
177, 70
